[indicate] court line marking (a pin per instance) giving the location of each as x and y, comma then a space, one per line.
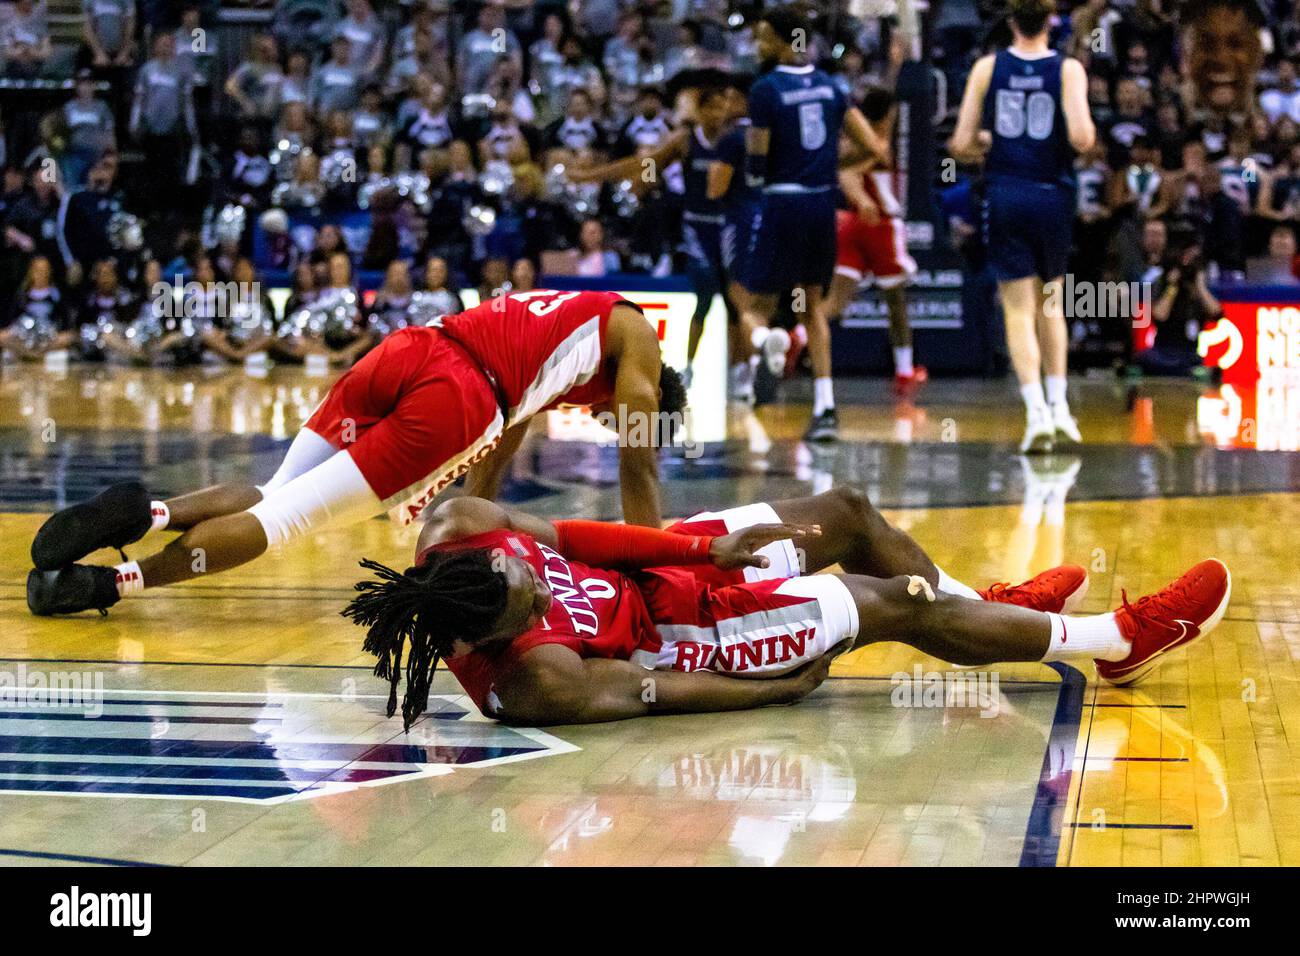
554, 746
1043, 830
76, 858
1132, 826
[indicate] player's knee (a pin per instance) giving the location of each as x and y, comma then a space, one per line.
855, 510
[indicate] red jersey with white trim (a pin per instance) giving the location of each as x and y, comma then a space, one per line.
545, 348
596, 613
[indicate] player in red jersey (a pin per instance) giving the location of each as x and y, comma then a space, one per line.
414, 414
574, 621
871, 246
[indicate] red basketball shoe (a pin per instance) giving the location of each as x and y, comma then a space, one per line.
1173, 617
906, 386
1056, 590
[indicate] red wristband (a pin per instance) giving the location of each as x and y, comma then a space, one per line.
606, 545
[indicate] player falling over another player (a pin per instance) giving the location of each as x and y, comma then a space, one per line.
422, 408
558, 622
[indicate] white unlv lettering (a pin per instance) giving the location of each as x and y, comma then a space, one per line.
559, 576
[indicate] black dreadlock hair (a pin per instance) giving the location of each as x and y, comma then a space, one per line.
452, 594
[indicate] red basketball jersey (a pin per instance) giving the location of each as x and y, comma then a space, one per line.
596, 613
544, 347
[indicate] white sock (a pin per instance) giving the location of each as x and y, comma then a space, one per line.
129, 578
759, 336
1054, 386
823, 395
1032, 394
1095, 636
903, 360
162, 515
952, 586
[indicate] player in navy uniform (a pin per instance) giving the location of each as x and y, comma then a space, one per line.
696, 147
792, 157
1025, 111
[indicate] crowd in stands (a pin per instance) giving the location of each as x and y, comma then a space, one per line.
424, 144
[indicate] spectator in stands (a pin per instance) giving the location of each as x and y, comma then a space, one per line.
32, 222
495, 279
256, 85
390, 309
523, 276
365, 35
594, 259
248, 319
91, 130
108, 32
1283, 97
439, 297
1279, 189
429, 124
163, 121
296, 86
480, 47
575, 72
1282, 250
1182, 307
37, 322
108, 306
335, 83
577, 129
25, 41
423, 59
85, 221
195, 47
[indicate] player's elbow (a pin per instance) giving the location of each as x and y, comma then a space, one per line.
1083, 138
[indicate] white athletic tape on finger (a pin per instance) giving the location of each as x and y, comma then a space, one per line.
918, 585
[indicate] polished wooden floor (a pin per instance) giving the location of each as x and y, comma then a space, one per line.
235, 720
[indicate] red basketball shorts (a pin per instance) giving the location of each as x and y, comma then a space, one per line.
759, 622
414, 414
877, 252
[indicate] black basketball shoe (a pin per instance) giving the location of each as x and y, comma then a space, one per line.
112, 519
824, 427
78, 587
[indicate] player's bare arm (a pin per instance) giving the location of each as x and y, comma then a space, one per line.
856, 195
720, 176
969, 143
1079, 126
860, 131
635, 348
627, 548
553, 685
484, 479
633, 167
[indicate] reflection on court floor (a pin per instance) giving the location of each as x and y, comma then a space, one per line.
236, 719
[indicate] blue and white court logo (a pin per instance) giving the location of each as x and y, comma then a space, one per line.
251, 747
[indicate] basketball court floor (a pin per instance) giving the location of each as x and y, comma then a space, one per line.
236, 721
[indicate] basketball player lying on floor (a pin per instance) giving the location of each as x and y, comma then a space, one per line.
558, 622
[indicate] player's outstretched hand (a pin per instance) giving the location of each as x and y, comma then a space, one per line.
737, 550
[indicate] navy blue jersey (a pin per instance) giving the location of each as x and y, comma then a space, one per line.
700, 156
804, 110
739, 198
1022, 109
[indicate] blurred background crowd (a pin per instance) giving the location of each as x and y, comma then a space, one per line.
380, 157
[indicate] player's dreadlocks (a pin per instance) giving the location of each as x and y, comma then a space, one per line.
452, 594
